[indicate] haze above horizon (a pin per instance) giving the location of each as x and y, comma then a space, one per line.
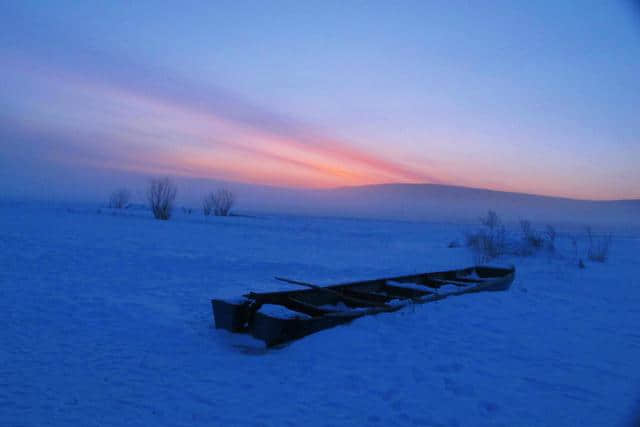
538, 98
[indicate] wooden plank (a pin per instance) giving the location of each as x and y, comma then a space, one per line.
333, 292
405, 292
310, 309
376, 297
454, 282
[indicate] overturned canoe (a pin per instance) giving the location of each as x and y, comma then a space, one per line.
278, 317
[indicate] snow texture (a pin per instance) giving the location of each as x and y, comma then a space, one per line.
281, 312
340, 306
413, 286
106, 321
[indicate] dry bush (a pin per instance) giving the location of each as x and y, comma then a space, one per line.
161, 194
550, 238
490, 241
491, 221
598, 250
207, 204
574, 245
530, 242
119, 199
530, 235
218, 203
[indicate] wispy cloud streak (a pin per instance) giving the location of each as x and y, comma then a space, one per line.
120, 105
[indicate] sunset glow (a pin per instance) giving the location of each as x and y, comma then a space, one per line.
419, 112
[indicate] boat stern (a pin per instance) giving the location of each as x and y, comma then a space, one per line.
231, 314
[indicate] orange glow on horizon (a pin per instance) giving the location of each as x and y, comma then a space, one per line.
104, 125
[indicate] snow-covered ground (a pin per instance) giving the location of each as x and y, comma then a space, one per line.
106, 320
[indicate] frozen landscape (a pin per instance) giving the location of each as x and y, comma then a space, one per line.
157, 156
107, 321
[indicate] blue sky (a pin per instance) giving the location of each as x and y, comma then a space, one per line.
539, 97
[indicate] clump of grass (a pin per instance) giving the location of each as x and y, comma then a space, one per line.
119, 199
574, 245
531, 241
218, 203
489, 242
598, 250
550, 238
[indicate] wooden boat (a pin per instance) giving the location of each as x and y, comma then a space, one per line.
278, 317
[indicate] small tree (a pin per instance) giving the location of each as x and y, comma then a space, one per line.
218, 203
120, 198
161, 194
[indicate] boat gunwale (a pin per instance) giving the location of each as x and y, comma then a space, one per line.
508, 271
246, 317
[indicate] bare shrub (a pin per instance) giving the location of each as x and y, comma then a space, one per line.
550, 238
491, 221
531, 241
119, 199
598, 250
207, 204
530, 235
161, 194
490, 241
218, 203
472, 239
574, 245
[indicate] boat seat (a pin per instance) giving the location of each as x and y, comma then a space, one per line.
410, 288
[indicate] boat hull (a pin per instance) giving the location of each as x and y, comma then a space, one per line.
373, 296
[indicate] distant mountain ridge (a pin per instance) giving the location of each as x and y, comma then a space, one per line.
436, 202
414, 202
449, 189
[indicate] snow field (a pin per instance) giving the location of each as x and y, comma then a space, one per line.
107, 321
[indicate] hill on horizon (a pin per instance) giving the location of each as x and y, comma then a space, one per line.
454, 203
421, 202
412, 202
